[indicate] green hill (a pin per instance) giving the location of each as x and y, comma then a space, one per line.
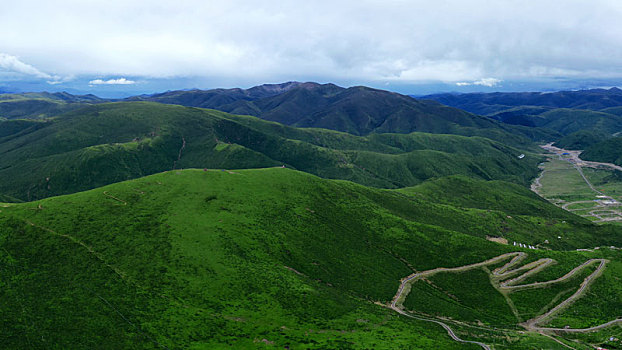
42, 105
567, 121
581, 140
613, 110
461, 191
207, 259
112, 142
608, 151
564, 121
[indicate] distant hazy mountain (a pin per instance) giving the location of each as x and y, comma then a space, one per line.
356, 110
597, 110
491, 103
216, 98
42, 104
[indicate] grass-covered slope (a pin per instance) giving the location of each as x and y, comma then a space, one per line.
504, 210
41, 105
608, 151
113, 142
466, 192
207, 259
567, 121
581, 140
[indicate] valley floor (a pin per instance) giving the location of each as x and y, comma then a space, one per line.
589, 189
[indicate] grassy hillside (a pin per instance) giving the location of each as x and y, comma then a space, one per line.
41, 105
608, 151
580, 140
107, 143
565, 121
503, 210
613, 110
568, 121
208, 259
465, 192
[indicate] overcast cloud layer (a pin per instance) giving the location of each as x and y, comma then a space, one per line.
235, 42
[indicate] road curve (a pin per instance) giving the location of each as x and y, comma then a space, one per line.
444, 325
532, 324
397, 299
506, 271
580, 330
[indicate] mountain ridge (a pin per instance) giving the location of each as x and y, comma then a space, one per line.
111, 142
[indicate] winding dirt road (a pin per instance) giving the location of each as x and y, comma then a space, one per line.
445, 326
500, 274
532, 324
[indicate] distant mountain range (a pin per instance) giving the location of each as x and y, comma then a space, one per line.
42, 104
181, 226
513, 118
566, 112
492, 103
112, 142
356, 110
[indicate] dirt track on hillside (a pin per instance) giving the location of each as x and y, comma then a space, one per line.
507, 271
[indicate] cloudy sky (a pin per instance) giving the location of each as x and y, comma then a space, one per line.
125, 46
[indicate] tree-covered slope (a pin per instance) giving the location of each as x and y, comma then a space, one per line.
208, 259
112, 142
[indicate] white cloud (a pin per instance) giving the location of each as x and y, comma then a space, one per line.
488, 82
13, 64
119, 81
370, 40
